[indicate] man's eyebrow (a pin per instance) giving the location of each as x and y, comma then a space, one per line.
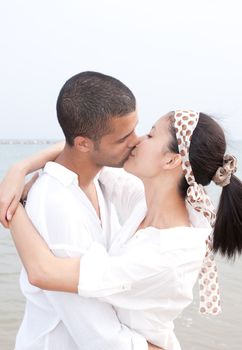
131, 132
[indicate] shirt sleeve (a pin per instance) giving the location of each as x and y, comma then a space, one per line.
102, 275
141, 276
124, 190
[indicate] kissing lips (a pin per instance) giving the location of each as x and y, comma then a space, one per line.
132, 153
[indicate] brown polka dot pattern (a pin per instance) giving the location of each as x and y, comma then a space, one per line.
185, 122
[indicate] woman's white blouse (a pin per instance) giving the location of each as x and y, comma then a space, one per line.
148, 275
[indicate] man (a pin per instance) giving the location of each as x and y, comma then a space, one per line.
97, 114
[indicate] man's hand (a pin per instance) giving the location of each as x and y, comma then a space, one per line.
28, 186
12, 189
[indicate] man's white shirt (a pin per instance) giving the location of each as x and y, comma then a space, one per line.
66, 219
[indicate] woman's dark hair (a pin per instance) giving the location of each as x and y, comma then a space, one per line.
207, 149
88, 101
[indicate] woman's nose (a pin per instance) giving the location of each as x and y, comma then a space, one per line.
141, 139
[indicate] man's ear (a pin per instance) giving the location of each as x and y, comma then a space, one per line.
173, 160
83, 144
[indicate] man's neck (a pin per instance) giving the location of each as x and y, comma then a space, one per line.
80, 164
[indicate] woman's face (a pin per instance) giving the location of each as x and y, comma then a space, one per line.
151, 153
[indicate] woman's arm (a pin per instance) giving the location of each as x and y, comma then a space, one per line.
12, 186
96, 274
39, 160
124, 190
44, 270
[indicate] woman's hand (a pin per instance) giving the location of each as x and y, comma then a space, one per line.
12, 190
13, 186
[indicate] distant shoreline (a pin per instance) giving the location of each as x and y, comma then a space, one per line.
47, 142
27, 142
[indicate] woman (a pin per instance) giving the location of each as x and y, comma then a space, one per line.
152, 266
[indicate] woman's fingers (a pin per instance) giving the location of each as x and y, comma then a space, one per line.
4, 205
12, 208
12, 189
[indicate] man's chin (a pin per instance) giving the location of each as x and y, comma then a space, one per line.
121, 163
115, 165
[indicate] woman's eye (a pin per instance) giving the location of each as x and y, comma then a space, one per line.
148, 135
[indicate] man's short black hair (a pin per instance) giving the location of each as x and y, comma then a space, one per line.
86, 103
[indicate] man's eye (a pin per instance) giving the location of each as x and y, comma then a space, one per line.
122, 140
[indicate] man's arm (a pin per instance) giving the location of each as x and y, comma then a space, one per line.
93, 324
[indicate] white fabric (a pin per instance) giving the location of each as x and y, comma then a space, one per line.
148, 276
64, 321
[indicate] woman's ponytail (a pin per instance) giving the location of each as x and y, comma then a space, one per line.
210, 163
228, 226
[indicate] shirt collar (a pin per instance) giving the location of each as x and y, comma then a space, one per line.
61, 173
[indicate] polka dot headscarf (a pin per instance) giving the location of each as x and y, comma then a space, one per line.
185, 122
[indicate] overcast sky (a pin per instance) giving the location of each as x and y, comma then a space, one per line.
174, 53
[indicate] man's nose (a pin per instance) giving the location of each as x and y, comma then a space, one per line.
133, 141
